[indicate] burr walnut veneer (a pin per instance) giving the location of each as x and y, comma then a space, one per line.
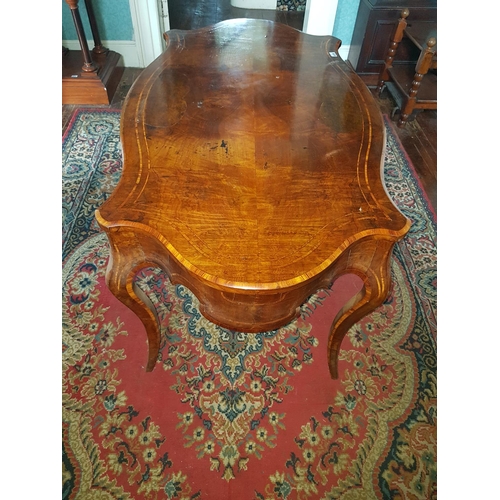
253, 176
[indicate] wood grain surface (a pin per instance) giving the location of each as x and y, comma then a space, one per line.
252, 175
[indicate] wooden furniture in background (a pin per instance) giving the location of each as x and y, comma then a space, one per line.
412, 86
89, 77
252, 175
372, 31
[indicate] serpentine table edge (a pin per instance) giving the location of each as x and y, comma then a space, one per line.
217, 125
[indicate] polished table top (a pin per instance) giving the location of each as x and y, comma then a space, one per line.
252, 167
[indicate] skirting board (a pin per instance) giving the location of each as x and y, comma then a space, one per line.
127, 49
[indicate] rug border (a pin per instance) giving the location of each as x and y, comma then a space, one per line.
84, 109
193, 480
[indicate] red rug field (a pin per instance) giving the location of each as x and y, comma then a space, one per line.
226, 415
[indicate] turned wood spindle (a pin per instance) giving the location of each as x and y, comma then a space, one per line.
88, 64
424, 63
395, 40
98, 46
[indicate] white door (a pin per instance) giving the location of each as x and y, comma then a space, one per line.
164, 19
320, 17
150, 21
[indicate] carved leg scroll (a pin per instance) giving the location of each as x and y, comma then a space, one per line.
122, 268
370, 261
369, 258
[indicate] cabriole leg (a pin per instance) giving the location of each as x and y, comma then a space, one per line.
373, 266
122, 268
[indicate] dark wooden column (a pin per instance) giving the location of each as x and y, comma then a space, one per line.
396, 38
98, 47
88, 64
89, 77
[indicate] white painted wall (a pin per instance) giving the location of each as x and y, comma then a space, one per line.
319, 19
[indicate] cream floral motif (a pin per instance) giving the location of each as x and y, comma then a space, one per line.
377, 437
240, 381
92, 394
380, 388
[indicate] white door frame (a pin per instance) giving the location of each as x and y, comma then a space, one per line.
148, 26
319, 17
150, 20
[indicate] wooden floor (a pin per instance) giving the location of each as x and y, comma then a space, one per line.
419, 137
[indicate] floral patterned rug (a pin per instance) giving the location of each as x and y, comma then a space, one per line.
237, 416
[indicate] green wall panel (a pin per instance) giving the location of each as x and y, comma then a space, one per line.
113, 20
345, 19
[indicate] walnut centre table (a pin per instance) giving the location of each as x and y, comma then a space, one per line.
252, 175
